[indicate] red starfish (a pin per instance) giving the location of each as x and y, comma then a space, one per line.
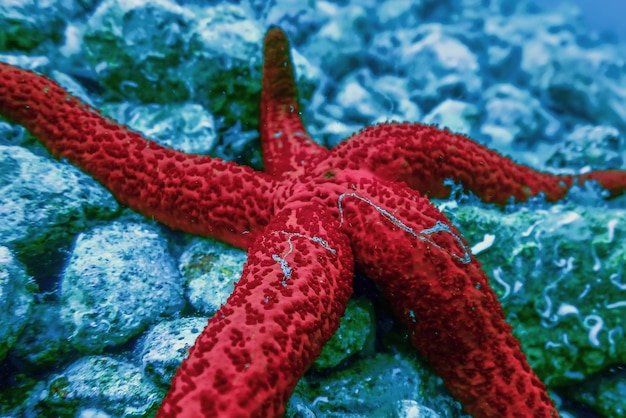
308, 222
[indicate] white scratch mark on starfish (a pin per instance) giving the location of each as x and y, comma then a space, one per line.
284, 265
423, 235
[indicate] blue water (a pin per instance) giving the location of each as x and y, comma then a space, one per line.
600, 15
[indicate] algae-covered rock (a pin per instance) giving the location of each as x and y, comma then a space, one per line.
114, 386
355, 332
559, 273
16, 299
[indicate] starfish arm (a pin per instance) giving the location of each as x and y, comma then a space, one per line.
284, 140
196, 194
287, 304
424, 156
438, 289
614, 181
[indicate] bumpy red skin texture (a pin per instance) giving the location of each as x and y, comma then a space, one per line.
197, 194
423, 156
307, 223
287, 146
288, 303
438, 289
